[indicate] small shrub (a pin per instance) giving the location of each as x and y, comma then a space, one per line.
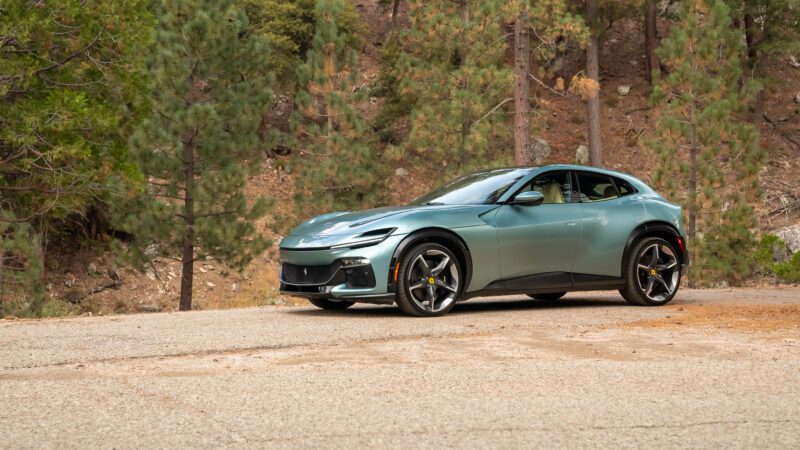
773, 258
789, 271
769, 251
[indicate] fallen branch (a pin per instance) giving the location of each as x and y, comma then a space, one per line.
795, 144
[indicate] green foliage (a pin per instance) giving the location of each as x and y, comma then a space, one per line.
708, 158
21, 268
775, 30
398, 102
768, 250
69, 96
454, 65
555, 25
773, 258
339, 168
211, 81
789, 271
289, 27
67, 100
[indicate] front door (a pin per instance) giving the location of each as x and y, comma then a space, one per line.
539, 242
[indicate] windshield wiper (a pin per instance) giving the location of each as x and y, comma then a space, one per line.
434, 203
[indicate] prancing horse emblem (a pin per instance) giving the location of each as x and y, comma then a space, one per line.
305, 271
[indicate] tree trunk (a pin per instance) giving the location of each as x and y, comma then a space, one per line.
466, 121
2, 278
593, 72
692, 225
395, 8
692, 213
522, 106
187, 258
754, 63
650, 41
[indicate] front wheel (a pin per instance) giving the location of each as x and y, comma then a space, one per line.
324, 303
430, 280
652, 273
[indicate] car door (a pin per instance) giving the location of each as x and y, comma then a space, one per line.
610, 211
537, 243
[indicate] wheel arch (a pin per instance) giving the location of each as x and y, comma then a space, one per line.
656, 228
441, 236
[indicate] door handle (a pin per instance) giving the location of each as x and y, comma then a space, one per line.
571, 224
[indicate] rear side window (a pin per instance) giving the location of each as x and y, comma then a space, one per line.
624, 187
595, 188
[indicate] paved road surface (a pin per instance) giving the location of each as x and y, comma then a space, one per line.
588, 371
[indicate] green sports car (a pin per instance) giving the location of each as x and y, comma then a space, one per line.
540, 231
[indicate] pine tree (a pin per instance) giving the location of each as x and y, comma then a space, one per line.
68, 99
771, 29
454, 67
707, 158
210, 83
553, 25
288, 26
339, 169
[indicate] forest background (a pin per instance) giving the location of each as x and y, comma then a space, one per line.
152, 153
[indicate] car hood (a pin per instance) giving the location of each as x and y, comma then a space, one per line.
338, 227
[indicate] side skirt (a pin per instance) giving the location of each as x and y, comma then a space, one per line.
546, 283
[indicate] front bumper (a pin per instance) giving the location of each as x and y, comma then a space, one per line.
321, 273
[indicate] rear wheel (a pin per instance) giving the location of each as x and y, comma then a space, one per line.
429, 281
652, 273
550, 296
325, 303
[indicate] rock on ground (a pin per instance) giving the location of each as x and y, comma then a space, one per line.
582, 155
791, 236
539, 151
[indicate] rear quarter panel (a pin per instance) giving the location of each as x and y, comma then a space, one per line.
605, 228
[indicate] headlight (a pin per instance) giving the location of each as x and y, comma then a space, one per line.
369, 238
355, 261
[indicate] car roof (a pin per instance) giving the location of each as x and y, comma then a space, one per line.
576, 167
532, 171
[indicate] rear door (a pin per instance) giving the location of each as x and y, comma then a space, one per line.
610, 211
541, 239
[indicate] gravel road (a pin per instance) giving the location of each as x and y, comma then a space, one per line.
717, 368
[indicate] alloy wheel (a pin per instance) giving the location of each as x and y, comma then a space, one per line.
433, 280
657, 272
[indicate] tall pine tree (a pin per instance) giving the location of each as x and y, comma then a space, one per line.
454, 66
339, 168
551, 25
211, 81
707, 158
68, 99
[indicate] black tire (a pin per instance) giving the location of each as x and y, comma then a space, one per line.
324, 303
636, 285
549, 296
406, 300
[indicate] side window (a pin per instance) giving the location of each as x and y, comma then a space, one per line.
624, 187
595, 188
555, 186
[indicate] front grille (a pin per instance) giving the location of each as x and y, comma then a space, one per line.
295, 274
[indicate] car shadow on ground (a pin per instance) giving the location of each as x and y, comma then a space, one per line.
467, 307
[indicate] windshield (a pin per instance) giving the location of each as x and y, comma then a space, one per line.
474, 189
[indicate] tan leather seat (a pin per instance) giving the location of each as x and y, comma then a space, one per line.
609, 192
552, 193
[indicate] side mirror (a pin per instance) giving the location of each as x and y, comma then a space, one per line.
530, 198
